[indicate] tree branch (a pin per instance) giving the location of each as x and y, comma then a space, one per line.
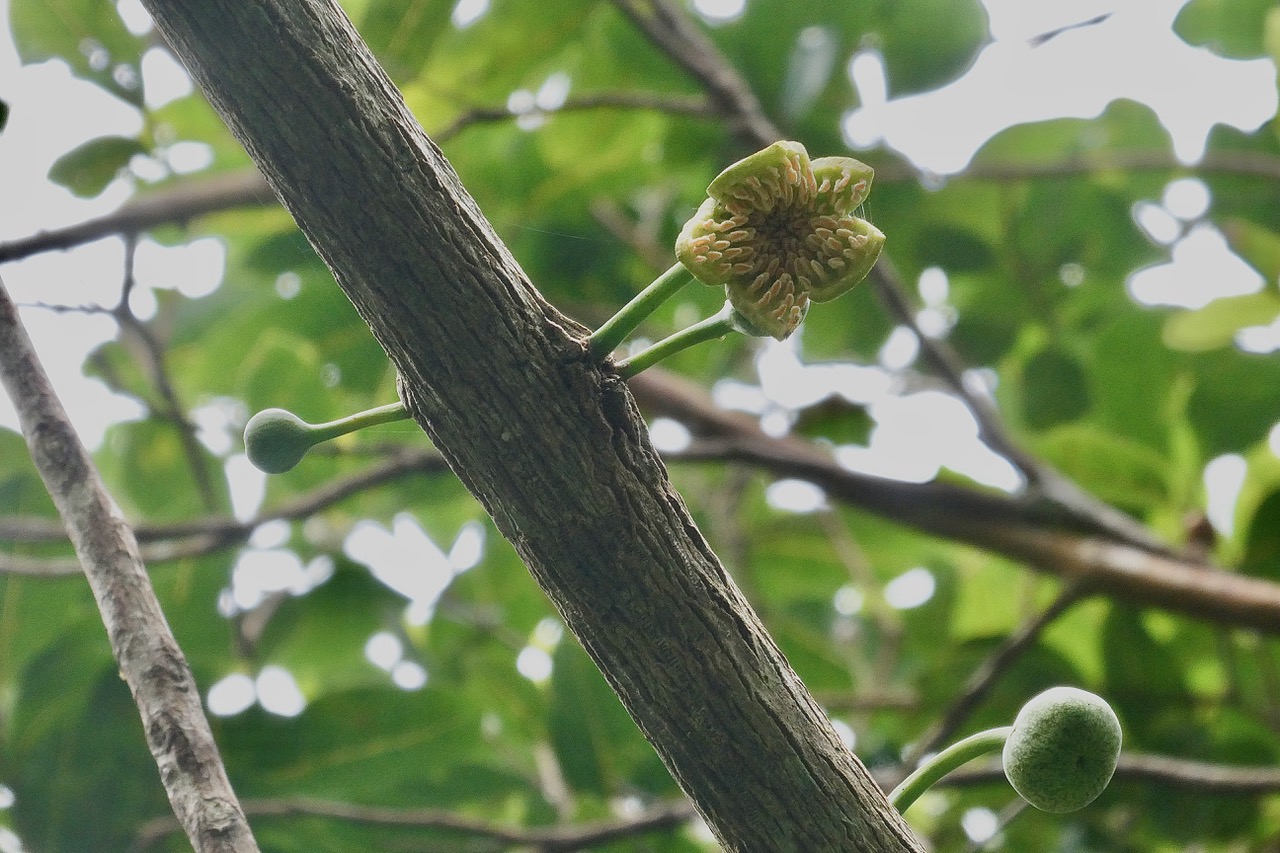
551, 839
654, 101
671, 30
199, 196
547, 438
180, 203
1043, 534
1036, 532
1190, 775
153, 357
985, 676
149, 658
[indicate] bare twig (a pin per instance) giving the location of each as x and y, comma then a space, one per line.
675, 34
1043, 479
195, 197
197, 537
1163, 769
984, 677
554, 839
1048, 537
652, 101
180, 203
1044, 536
149, 658
153, 354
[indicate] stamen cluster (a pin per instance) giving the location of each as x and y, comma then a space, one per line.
778, 231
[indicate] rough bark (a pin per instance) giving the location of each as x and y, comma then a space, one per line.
548, 440
150, 661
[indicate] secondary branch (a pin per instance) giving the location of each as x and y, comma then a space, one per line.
149, 658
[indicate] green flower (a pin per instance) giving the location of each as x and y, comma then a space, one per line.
779, 231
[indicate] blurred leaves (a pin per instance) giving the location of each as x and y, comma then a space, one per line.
88, 36
1033, 246
87, 170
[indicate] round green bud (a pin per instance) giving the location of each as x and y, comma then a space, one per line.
1063, 749
275, 439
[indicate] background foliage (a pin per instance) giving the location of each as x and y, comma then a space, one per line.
1036, 239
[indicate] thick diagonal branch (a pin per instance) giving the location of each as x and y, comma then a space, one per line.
548, 439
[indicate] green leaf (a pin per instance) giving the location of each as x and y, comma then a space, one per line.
1116, 469
88, 35
151, 474
75, 737
4, 114
1262, 543
1216, 325
402, 35
1055, 389
1141, 671
1259, 246
88, 169
1227, 27
595, 739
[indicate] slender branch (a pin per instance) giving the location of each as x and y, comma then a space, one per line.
1182, 773
1050, 484
672, 31
154, 356
180, 203
197, 537
1044, 535
985, 676
1062, 545
543, 839
653, 101
194, 197
150, 660
1050, 541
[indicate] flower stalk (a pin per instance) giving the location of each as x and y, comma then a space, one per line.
716, 326
959, 753
607, 338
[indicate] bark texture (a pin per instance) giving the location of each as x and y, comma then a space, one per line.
150, 661
549, 441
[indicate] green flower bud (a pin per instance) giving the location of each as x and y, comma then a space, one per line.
1063, 749
276, 439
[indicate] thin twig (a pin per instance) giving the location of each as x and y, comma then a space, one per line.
1043, 479
149, 657
174, 205
554, 839
153, 354
195, 197
1044, 535
651, 101
673, 32
197, 537
1202, 776
985, 676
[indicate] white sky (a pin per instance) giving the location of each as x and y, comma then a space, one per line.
1133, 54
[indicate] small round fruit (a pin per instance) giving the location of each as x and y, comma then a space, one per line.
1063, 749
275, 440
